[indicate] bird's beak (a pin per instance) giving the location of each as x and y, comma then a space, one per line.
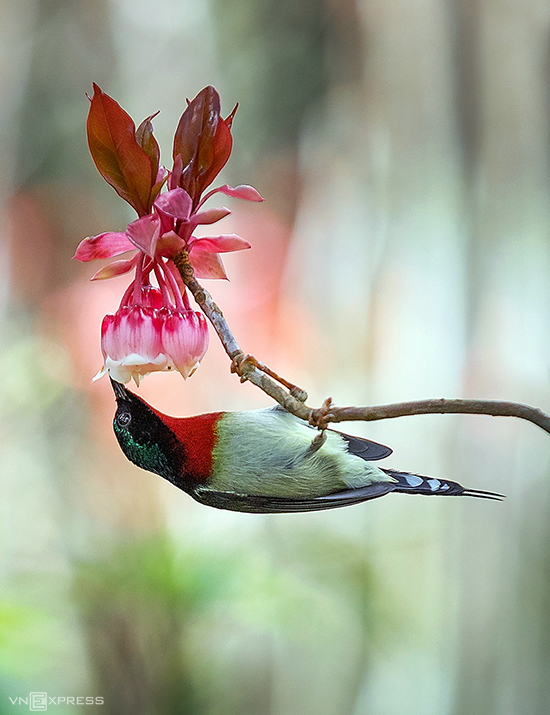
121, 393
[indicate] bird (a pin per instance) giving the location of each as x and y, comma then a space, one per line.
263, 461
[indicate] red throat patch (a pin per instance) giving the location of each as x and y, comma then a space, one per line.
198, 436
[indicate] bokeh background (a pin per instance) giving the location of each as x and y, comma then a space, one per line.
403, 252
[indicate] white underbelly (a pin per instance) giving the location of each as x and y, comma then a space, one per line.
265, 452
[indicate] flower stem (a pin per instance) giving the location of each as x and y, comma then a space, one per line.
147, 268
171, 266
127, 294
166, 300
180, 285
173, 285
139, 278
186, 302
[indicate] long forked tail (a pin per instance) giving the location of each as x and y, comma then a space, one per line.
416, 484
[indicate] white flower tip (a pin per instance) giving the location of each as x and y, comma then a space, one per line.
100, 374
186, 372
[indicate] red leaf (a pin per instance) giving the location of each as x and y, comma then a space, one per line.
175, 203
196, 129
117, 268
117, 155
226, 243
169, 244
229, 119
203, 141
209, 216
162, 177
175, 174
188, 180
144, 233
104, 245
243, 191
222, 145
147, 141
206, 264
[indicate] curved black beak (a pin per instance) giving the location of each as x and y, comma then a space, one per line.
121, 393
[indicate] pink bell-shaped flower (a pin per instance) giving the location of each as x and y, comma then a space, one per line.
131, 343
184, 339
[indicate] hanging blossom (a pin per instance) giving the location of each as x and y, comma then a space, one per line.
155, 327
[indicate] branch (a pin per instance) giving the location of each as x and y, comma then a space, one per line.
494, 408
293, 398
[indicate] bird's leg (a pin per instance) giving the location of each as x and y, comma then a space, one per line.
240, 362
316, 443
321, 423
320, 438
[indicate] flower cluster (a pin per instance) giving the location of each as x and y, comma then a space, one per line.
145, 335
155, 328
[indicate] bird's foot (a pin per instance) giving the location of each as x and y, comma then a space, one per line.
317, 442
320, 418
314, 446
242, 362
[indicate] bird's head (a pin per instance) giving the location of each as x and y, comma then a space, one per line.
144, 437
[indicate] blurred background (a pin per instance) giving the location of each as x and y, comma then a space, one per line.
403, 252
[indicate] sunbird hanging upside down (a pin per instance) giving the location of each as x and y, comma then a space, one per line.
263, 461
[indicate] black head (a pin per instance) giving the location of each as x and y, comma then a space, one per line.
145, 439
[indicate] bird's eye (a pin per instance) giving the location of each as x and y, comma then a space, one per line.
123, 419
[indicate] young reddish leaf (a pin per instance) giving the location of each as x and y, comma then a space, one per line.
222, 145
116, 153
147, 141
144, 233
188, 178
162, 176
229, 119
117, 268
243, 191
175, 203
206, 264
175, 174
209, 216
169, 244
195, 141
104, 245
197, 126
226, 243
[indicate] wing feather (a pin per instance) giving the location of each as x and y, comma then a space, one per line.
256, 504
365, 448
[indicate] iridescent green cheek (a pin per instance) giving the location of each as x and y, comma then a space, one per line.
147, 456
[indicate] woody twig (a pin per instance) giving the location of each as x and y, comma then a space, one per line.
293, 398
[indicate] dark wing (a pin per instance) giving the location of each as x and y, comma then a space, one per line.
359, 446
365, 448
280, 505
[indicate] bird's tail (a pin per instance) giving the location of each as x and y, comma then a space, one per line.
416, 484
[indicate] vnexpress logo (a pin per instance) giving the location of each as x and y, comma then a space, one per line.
35, 701
40, 701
